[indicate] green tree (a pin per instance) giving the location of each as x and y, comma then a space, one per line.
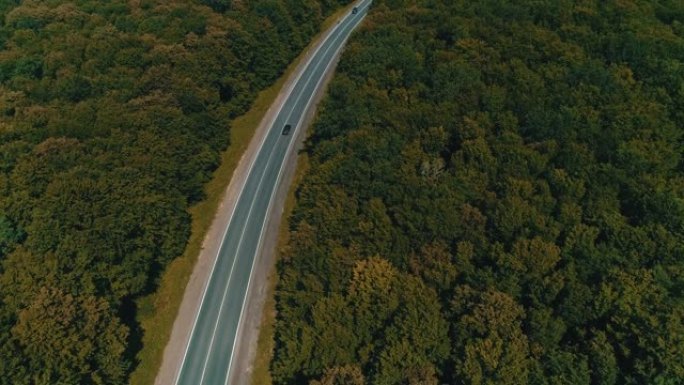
634, 305
518, 161
603, 361
341, 375
9, 236
71, 339
491, 347
113, 116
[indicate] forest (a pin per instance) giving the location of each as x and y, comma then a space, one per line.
494, 196
113, 115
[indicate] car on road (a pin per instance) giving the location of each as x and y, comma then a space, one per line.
286, 129
355, 10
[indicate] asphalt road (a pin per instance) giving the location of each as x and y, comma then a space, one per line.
208, 356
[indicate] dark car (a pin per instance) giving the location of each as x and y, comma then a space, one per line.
286, 129
356, 9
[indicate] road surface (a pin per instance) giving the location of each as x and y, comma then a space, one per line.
208, 357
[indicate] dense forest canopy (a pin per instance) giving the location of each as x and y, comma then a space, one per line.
495, 196
112, 117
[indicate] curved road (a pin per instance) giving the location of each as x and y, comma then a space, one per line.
208, 357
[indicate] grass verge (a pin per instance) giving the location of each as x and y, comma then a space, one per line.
261, 372
157, 311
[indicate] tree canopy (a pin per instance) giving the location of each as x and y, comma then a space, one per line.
113, 115
495, 196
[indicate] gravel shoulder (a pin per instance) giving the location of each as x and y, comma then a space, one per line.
246, 348
258, 290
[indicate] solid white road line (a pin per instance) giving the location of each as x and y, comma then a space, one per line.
249, 214
280, 170
249, 171
232, 267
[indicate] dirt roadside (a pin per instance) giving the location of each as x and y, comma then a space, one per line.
248, 332
182, 327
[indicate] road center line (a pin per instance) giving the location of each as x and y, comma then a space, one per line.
230, 363
230, 276
249, 171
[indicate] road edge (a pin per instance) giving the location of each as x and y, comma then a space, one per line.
266, 258
192, 297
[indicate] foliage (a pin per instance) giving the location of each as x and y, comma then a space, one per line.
112, 118
496, 196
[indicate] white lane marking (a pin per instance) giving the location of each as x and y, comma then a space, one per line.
275, 188
249, 214
249, 171
232, 267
